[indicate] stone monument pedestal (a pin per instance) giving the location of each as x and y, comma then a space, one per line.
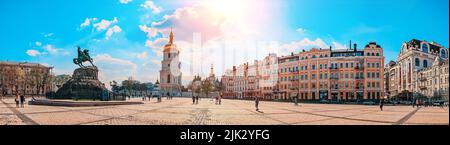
83, 85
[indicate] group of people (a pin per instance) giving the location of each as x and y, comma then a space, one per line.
20, 101
169, 97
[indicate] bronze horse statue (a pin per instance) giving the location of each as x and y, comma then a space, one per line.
83, 56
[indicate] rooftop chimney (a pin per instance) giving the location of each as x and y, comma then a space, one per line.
355, 47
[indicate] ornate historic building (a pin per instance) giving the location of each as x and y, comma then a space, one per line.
414, 56
24, 78
170, 73
318, 74
432, 82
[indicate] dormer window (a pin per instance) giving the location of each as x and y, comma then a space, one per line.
425, 48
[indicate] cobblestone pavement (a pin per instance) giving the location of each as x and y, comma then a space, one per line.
181, 111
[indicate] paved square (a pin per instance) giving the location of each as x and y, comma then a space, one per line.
181, 111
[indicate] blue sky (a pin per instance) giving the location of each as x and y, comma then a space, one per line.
126, 37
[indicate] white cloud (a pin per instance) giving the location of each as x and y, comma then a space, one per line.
46, 35
104, 24
108, 59
157, 45
339, 46
112, 30
304, 44
151, 32
87, 22
151, 6
33, 52
114, 68
51, 49
125, 1
142, 55
301, 30
37, 43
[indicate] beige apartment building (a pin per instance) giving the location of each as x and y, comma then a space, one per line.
317, 74
24, 78
432, 82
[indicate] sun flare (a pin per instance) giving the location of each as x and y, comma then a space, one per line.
228, 8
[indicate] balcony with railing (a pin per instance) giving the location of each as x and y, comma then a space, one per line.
422, 87
359, 89
333, 68
334, 78
359, 78
422, 78
359, 67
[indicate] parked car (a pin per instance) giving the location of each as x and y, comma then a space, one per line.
324, 101
406, 102
369, 103
438, 103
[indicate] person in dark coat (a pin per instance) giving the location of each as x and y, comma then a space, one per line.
17, 100
381, 104
257, 103
22, 100
196, 99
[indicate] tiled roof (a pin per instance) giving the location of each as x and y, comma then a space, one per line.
23, 64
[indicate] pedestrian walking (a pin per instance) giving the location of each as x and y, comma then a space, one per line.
220, 99
17, 100
381, 104
296, 100
22, 100
193, 99
216, 99
413, 104
257, 103
196, 99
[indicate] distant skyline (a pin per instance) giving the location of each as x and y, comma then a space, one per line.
125, 37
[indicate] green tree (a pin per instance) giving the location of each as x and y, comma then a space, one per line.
207, 87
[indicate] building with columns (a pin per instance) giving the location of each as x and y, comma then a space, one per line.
170, 73
415, 55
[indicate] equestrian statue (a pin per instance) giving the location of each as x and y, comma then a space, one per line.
83, 56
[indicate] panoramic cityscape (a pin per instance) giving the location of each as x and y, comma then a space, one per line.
218, 62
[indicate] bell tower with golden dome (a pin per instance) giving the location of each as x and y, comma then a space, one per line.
170, 73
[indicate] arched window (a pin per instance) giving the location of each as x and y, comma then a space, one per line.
443, 53
425, 63
425, 48
373, 54
417, 62
378, 54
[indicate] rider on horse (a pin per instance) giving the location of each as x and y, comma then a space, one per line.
82, 57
